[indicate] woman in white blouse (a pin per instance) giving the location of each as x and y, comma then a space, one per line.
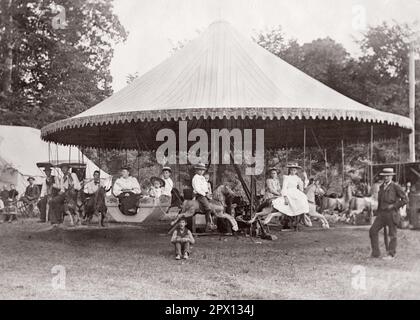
293, 200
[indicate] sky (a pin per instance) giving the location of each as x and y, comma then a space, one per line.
155, 25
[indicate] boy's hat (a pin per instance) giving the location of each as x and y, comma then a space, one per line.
166, 168
31, 178
153, 179
125, 168
272, 169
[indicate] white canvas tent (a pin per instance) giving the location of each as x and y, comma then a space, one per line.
21, 148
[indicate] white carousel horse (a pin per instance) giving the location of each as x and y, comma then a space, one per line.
338, 204
310, 192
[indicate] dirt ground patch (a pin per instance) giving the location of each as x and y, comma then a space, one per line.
126, 262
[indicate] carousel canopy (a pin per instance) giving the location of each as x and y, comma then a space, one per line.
224, 80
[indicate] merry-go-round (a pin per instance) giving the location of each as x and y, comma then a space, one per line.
223, 80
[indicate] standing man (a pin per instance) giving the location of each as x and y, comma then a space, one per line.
127, 190
46, 194
391, 197
202, 194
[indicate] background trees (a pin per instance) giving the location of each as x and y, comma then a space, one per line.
59, 67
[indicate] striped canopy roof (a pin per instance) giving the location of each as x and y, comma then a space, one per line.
220, 75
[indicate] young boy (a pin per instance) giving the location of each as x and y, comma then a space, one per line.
169, 184
207, 176
156, 188
182, 238
201, 190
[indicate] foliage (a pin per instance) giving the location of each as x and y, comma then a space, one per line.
58, 70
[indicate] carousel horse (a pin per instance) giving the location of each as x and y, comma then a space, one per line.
192, 207
95, 205
311, 191
361, 204
267, 210
72, 201
337, 202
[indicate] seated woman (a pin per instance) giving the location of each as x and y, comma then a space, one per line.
272, 184
293, 201
127, 190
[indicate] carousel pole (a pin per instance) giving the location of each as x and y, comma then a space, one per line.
326, 166
310, 164
304, 148
371, 156
342, 163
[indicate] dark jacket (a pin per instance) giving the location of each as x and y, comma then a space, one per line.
32, 192
390, 199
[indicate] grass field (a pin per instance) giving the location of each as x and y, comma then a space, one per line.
126, 262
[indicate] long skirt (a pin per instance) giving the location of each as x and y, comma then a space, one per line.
128, 204
297, 203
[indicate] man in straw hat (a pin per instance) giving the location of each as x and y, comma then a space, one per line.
391, 197
202, 194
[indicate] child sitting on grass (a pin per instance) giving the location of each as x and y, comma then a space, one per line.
182, 238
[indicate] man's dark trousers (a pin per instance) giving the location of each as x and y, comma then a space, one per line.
384, 219
205, 207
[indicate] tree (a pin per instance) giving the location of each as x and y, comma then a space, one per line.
58, 70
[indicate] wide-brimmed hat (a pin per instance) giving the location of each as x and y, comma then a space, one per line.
31, 178
200, 166
293, 165
272, 169
125, 168
387, 172
166, 168
153, 179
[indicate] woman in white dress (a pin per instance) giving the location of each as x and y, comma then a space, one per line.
293, 200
